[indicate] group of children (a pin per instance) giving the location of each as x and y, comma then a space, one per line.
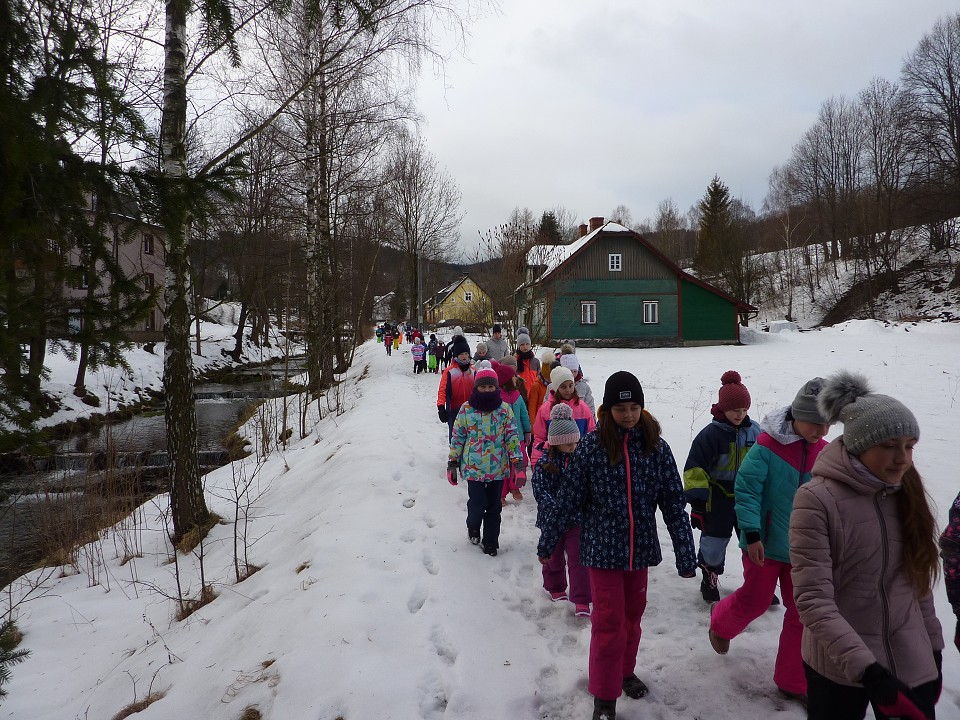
844, 528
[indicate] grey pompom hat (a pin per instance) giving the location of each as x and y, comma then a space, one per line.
563, 429
804, 405
868, 418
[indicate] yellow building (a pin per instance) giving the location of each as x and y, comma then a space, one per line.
462, 301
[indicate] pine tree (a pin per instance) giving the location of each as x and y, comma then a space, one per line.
714, 235
9, 639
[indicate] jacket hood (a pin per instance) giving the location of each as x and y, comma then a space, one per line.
776, 425
836, 463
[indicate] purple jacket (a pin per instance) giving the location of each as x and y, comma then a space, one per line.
855, 602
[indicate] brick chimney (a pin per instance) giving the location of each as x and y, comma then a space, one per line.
583, 229
595, 222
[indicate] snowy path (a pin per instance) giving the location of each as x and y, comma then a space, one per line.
371, 604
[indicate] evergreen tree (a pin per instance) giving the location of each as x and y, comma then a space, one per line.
714, 229
549, 231
9, 639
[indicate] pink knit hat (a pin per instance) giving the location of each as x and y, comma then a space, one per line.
486, 376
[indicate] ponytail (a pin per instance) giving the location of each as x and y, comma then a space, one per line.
610, 438
921, 561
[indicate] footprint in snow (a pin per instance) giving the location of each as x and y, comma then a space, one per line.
416, 601
429, 521
445, 649
409, 502
430, 563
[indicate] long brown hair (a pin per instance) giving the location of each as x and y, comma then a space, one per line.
921, 560
607, 430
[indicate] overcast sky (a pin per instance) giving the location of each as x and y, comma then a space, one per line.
589, 104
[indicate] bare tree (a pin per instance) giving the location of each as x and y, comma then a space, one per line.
423, 204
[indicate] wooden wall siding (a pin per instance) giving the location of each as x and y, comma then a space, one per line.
593, 261
707, 316
618, 316
659, 286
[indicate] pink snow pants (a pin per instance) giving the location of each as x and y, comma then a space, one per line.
734, 612
567, 553
619, 599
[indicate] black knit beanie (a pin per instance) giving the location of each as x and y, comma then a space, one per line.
621, 387
460, 345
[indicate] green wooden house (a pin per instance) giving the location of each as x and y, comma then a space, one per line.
612, 288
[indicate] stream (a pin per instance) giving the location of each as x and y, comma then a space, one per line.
24, 519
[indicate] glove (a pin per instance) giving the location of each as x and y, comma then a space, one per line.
527, 438
891, 696
443, 414
520, 474
452, 469
697, 511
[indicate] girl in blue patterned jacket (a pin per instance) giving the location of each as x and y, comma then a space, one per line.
484, 443
619, 475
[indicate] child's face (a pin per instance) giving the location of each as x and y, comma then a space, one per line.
626, 414
487, 388
463, 357
811, 432
891, 459
566, 389
525, 347
566, 447
735, 417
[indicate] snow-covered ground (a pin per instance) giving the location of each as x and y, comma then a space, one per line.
372, 604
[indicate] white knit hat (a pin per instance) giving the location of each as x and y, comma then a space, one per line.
560, 375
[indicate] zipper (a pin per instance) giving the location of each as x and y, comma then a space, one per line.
626, 460
883, 593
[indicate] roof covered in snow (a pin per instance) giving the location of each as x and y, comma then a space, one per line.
553, 256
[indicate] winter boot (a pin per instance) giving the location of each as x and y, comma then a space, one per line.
710, 585
719, 644
474, 536
491, 551
604, 709
634, 687
775, 601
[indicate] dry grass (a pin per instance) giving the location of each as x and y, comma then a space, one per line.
136, 707
302, 566
192, 537
249, 570
189, 607
250, 713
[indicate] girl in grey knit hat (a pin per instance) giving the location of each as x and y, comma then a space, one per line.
864, 563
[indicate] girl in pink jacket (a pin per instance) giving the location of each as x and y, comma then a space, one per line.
864, 559
562, 389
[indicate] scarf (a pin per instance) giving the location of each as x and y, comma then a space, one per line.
485, 401
523, 360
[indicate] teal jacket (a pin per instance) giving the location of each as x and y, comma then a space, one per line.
777, 464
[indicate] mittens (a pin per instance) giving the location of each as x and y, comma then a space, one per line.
452, 470
697, 511
891, 696
443, 414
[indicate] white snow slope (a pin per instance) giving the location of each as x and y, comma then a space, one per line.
371, 604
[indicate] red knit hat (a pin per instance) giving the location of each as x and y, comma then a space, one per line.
733, 394
505, 373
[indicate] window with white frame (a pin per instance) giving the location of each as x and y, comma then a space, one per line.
148, 244
467, 296
616, 262
651, 312
588, 313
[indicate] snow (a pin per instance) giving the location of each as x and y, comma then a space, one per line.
372, 604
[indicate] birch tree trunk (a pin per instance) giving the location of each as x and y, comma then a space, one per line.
188, 508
